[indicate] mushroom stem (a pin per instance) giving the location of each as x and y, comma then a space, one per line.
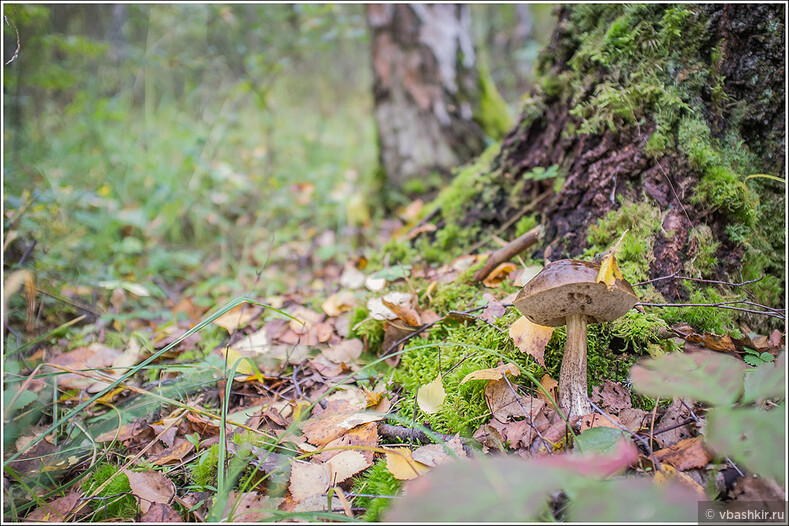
572, 378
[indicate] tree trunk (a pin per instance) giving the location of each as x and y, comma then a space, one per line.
425, 88
651, 117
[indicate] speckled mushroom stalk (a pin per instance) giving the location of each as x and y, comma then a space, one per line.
566, 292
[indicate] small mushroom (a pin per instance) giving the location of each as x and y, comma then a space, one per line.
566, 292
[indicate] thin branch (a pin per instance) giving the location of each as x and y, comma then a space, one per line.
721, 305
18, 45
674, 276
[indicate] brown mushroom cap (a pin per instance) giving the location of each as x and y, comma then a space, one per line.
569, 286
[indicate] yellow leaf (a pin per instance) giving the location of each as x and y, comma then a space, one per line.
401, 464
669, 472
236, 317
531, 338
497, 373
609, 271
431, 396
244, 367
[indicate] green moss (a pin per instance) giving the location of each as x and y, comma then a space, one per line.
464, 407
642, 221
376, 481
703, 263
372, 330
525, 224
457, 295
637, 330
493, 114
465, 186
122, 507
719, 321
204, 468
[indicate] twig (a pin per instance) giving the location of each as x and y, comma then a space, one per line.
721, 305
516, 246
674, 276
18, 46
407, 433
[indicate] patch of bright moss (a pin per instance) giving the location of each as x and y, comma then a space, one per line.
493, 114
446, 352
123, 507
703, 263
372, 330
634, 256
465, 186
637, 330
525, 224
719, 321
375, 481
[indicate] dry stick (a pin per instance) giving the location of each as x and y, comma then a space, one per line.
516, 246
674, 276
721, 305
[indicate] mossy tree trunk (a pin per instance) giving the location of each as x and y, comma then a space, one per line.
426, 89
650, 117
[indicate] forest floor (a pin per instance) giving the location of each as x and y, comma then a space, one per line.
291, 407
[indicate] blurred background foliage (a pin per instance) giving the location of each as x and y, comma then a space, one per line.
189, 147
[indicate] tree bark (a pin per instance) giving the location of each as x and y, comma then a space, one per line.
672, 106
425, 88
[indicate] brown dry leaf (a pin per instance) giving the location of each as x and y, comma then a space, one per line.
596, 420
55, 510
675, 414
333, 424
755, 488
347, 351
180, 449
307, 480
347, 464
339, 302
404, 311
531, 338
494, 310
519, 434
161, 513
401, 464
496, 373
504, 405
324, 332
550, 385
94, 356
237, 317
150, 487
249, 507
32, 460
499, 274
305, 319
668, 473
431, 455
430, 396
188, 307
634, 419
685, 454
125, 432
326, 367
718, 343
364, 436
613, 397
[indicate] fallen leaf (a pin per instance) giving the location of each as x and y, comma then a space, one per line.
430, 396
150, 487
365, 436
249, 507
550, 385
685, 454
612, 396
305, 319
431, 455
499, 274
237, 317
718, 343
347, 464
346, 351
375, 284
93, 356
401, 464
609, 270
308, 479
531, 338
505, 404
180, 449
55, 510
330, 425
527, 274
668, 473
496, 373
403, 310
493, 311
161, 513
339, 302
596, 420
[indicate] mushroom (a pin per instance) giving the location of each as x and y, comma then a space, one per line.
566, 292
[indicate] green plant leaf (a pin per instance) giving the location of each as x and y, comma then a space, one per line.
752, 436
393, 273
766, 381
599, 439
704, 376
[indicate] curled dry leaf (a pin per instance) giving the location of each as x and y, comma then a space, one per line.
431, 396
352, 278
550, 385
531, 338
330, 425
499, 274
339, 302
401, 464
597, 420
686, 454
496, 373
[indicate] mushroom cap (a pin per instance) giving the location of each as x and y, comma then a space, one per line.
569, 286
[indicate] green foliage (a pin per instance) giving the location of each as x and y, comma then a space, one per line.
121, 507
525, 224
492, 114
372, 330
204, 468
376, 481
637, 330
719, 321
424, 359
